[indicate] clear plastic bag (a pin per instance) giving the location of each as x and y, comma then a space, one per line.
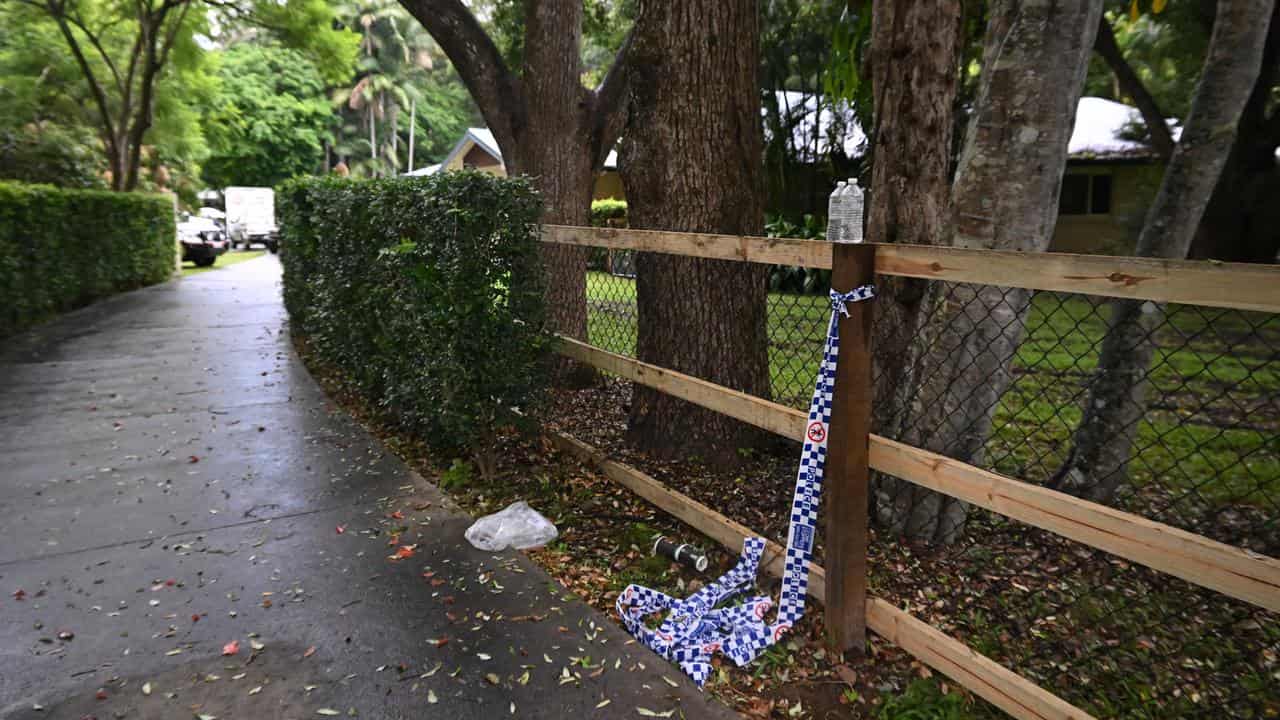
518, 526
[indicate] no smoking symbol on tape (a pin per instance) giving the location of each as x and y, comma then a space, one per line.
816, 432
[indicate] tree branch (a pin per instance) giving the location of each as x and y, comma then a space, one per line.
608, 98
57, 12
1105, 45
97, 45
495, 89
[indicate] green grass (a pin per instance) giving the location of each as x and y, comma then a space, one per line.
1212, 428
224, 260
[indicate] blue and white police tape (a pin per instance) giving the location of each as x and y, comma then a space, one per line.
694, 628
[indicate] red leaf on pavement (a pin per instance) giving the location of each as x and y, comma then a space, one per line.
231, 648
342, 529
440, 642
310, 651
402, 552
101, 694
397, 515
195, 618
19, 594
193, 459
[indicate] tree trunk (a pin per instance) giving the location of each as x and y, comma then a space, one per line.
691, 162
546, 123
550, 145
915, 77
1005, 197
1242, 222
1097, 463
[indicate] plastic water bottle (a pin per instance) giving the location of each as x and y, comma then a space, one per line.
852, 207
835, 213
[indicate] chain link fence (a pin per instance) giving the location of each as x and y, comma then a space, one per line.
1004, 379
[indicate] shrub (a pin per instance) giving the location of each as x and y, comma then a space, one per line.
606, 213
60, 249
426, 292
609, 213
792, 278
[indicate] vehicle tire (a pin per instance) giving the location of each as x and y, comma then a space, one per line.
206, 262
273, 246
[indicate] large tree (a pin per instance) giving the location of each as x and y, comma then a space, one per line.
270, 119
1097, 463
124, 52
547, 123
1004, 197
691, 162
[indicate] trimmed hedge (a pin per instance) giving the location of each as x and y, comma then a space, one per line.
427, 292
60, 249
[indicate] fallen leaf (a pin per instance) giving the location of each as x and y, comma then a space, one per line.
397, 515
431, 697
231, 648
257, 646
101, 694
146, 688
327, 711
646, 712
492, 678
193, 459
602, 703
342, 529
256, 690
310, 651
402, 552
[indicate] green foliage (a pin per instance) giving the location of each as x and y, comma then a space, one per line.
52, 154
609, 213
60, 249
793, 278
270, 119
923, 701
426, 292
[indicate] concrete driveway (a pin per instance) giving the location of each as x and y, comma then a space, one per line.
172, 486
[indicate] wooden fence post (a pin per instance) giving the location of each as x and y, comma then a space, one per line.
847, 473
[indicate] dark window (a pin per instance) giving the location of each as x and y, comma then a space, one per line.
1075, 195
1085, 195
1100, 195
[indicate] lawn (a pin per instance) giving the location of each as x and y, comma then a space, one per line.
1210, 436
225, 260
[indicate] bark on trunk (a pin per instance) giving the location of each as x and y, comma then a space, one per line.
691, 162
1242, 222
914, 57
1005, 197
551, 145
1097, 463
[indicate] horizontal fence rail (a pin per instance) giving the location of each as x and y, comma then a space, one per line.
1229, 285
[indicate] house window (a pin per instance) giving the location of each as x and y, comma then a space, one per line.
1085, 195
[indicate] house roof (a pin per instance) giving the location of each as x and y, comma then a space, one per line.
1101, 132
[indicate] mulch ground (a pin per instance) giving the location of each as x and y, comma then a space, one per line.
1115, 639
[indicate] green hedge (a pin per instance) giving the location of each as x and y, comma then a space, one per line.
426, 292
60, 249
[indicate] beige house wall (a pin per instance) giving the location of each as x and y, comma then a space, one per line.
1133, 186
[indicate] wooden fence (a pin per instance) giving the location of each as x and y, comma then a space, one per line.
854, 450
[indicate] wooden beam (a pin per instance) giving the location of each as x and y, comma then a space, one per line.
1244, 286
1192, 282
770, 251
773, 417
997, 684
1230, 570
848, 477
1241, 574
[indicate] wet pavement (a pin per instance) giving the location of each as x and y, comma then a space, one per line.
172, 481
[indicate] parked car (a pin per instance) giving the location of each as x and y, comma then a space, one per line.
203, 240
